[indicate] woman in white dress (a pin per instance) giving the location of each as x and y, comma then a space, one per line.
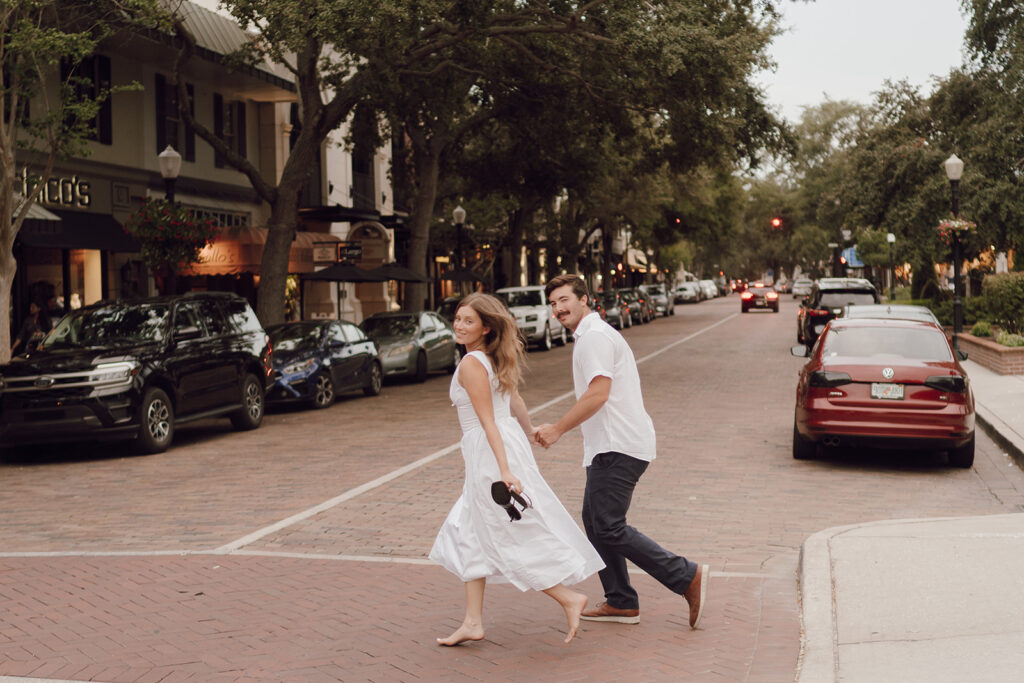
545, 549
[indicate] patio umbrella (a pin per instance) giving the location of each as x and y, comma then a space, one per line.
393, 271
344, 272
461, 275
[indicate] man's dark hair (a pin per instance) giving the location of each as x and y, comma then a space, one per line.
579, 286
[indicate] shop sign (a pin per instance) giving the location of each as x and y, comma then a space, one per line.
350, 251
325, 252
66, 191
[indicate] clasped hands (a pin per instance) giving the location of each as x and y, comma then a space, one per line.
546, 435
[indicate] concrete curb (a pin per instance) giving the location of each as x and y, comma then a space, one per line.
1000, 432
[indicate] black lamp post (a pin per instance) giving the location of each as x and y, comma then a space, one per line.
954, 170
891, 239
459, 216
170, 166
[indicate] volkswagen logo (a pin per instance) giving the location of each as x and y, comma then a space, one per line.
44, 381
888, 373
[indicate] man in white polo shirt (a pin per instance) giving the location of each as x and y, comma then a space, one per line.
618, 445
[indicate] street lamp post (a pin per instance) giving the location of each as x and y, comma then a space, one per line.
954, 170
459, 216
170, 166
891, 239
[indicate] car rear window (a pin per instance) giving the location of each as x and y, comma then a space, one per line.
840, 299
900, 342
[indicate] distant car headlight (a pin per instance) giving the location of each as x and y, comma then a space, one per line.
298, 367
401, 350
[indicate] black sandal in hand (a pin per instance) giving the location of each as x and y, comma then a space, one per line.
504, 497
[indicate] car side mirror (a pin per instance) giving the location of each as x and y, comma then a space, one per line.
186, 333
800, 351
961, 354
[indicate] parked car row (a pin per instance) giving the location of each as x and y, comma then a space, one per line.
695, 291
878, 375
134, 370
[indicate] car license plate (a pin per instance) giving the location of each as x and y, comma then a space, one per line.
759, 303
893, 392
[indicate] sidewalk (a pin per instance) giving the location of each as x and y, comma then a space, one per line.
927, 599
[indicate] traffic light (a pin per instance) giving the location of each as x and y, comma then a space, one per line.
776, 222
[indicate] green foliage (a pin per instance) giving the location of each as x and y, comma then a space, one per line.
1010, 339
972, 310
924, 283
169, 234
1005, 294
982, 328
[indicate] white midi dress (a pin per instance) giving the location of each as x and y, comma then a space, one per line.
477, 540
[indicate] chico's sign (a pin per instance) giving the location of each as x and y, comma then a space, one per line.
59, 190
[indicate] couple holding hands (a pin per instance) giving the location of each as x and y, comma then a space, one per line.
544, 549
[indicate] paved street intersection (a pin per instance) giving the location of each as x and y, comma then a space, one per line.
297, 552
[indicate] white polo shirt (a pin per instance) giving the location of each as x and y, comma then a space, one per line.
622, 424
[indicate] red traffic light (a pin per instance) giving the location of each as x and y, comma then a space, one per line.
776, 222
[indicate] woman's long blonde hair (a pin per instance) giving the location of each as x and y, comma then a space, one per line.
502, 343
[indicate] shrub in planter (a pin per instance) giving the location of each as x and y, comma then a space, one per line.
1005, 295
1009, 339
982, 328
974, 309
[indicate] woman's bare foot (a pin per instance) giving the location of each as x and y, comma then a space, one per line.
469, 632
573, 607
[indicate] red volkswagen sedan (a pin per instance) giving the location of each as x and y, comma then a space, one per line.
885, 383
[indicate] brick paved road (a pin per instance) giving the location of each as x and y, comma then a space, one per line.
181, 566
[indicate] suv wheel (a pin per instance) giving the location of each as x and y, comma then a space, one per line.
156, 421
456, 357
546, 342
375, 382
250, 415
323, 394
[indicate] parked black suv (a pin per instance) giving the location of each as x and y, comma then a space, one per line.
828, 297
135, 369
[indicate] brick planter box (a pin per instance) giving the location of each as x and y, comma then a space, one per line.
1005, 360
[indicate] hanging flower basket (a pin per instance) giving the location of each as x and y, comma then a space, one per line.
169, 234
956, 226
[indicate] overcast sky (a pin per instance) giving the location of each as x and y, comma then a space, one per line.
848, 48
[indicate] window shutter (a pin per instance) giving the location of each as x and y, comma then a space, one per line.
240, 145
190, 133
161, 113
218, 127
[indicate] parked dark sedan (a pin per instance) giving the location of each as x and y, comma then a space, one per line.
413, 344
884, 382
639, 310
315, 361
616, 309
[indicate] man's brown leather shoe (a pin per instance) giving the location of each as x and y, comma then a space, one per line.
696, 594
605, 612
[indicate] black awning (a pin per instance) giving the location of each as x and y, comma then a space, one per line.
338, 214
77, 230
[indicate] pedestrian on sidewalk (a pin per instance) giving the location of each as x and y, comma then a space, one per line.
618, 446
543, 549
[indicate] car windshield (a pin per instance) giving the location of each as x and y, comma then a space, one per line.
628, 296
390, 326
900, 342
295, 337
840, 299
104, 325
533, 297
655, 289
609, 299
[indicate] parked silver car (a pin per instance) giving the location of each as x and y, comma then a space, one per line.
802, 287
688, 293
413, 344
710, 288
662, 303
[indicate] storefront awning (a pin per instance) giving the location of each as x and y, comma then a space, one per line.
240, 250
637, 260
76, 230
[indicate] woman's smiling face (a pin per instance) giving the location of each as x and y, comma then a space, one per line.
469, 328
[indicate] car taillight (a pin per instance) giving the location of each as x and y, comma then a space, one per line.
824, 378
747, 296
772, 295
819, 311
951, 383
